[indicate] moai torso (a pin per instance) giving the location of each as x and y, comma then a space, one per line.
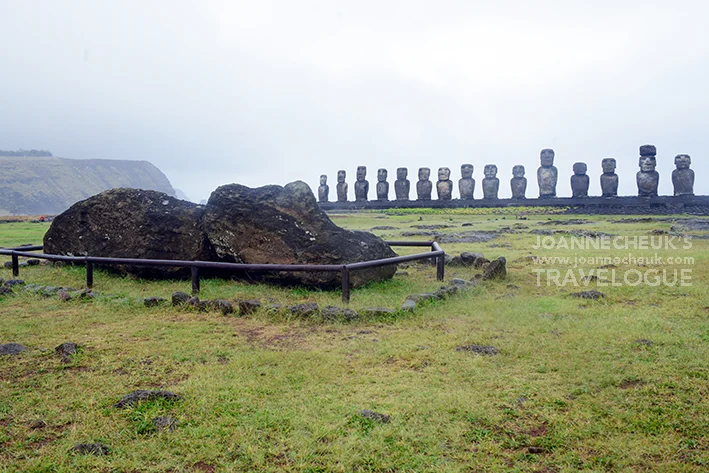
648, 179
361, 186
491, 184
424, 186
444, 186
547, 174
402, 186
518, 183
466, 185
609, 179
324, 189
341, 187
580, 181
683, 177
382, 185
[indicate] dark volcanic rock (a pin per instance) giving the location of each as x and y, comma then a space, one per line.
14, 282
331, 312
97, 449
165, 423
66, 350
12, 349
479, 349
304, 310
593, 294
179, 298
497, 269
131, 223
285, 225
6, 291
142, 395
249, 307
375, 416
153, 301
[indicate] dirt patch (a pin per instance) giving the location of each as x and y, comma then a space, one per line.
538, 431
204, 467
631, 383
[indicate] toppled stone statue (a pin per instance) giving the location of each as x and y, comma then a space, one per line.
580, 180
466, 185
547, 174
683, 177
382, 185
424, 186
324, 189
491, 184
518, 183
361, 185
341, 186
402, 185
648, 178
444, 186
609, 179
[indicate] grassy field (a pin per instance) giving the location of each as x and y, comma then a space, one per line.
615, 384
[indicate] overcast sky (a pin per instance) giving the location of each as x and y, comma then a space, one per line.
268, 92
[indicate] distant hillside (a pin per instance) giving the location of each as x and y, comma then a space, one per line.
39, 185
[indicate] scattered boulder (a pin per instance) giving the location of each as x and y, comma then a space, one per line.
132, 223
66, 350
165, 423
496, 269
375, 416
97, 449
225, 307
445, 291
6, 291
180, 298
249, 306
377, 311
14, 282
645, 342
479, 350
285, 225
420, 297
142, 395
33, 262
408, 306
593, 294
332, 312
7, 264
12, 349
153, 301
197, 304
38, 424
304, 310
64, 296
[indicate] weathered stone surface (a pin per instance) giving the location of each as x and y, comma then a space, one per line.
593, 294
377, 311
479, 350
7, 265
648, 179
375, 416
6, 291
444, 186
66, 351
408, 306
382, 185
65, 296
33, 262
341, 186
141, 395
580, 181
402, 186
153, 301
225, 307
361, 185
424, 186
445, 291
648, 150
12, 349
491, 184
97, 449
307, 309
331, 313
609, 179
518, 183
14, 282
466, 185
323, 189
249, 306
165, 423
131, 223
284, 225
420, 297
179, 298
683, 177
496, 269
547, 174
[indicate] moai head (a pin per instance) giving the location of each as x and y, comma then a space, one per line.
466, 170
518, 172
580, 169
683, 161
547, 157
401, 173
323, 179
424, 174
444, 174
647, 163
341, 176
608, 165
361, 173
382, 175
490, 171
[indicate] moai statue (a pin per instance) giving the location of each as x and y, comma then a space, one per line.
580, 180
402, 185
648, 179
609, 179
491, 184
382, 185
466, 185
518, 183
547, 174
361, 184
324, 189
341, 186
424, 186
683, 177
444, 186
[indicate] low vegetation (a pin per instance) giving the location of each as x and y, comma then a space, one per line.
570, 384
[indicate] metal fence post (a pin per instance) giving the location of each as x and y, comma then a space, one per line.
195, 280
345, 285
89, 274
15, 265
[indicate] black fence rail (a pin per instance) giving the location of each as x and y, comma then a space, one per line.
436, 255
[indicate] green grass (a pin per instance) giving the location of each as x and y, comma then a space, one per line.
272, 393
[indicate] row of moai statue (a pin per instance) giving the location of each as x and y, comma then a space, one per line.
648, 180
